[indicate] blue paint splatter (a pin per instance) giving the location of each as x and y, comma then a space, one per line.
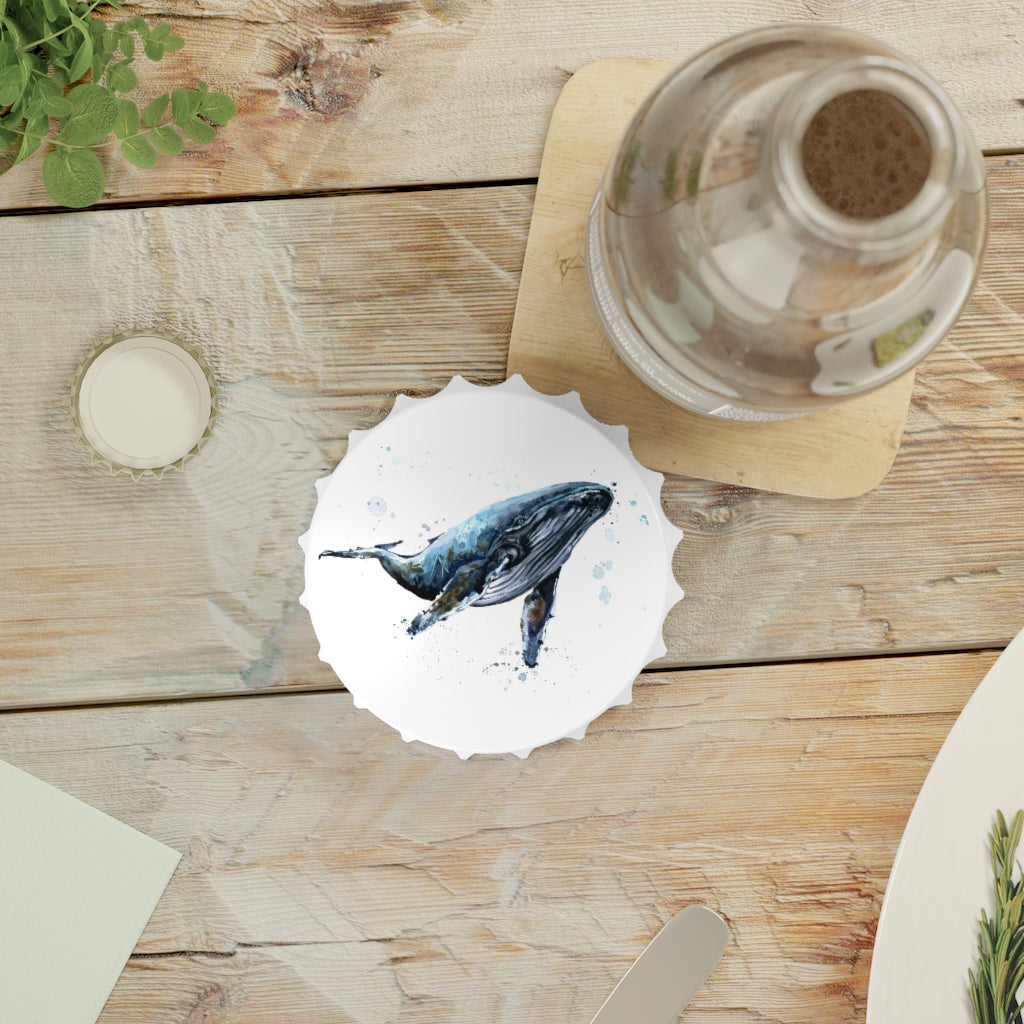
605, 595
598, 572
377, 507
645, 520
609, 535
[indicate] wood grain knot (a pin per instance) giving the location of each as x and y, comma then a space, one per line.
323, 81
330, 71
208, 1002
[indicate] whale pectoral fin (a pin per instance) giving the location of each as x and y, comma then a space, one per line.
464, 587
536, 611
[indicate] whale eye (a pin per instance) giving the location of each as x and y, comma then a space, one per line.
520, 520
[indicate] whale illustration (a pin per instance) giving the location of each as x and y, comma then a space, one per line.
509, 549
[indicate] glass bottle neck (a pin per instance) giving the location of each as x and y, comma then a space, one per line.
829, 215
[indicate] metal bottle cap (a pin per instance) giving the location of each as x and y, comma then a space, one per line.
143, 402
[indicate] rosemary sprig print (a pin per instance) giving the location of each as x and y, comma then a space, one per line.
1001, 939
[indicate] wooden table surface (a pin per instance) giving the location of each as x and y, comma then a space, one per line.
356, 232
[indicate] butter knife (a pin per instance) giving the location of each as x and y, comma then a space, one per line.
667, 974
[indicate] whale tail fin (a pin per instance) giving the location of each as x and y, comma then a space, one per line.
373, 552
405, 570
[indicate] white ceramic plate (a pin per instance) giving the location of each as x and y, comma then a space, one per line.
942, 878
445, 463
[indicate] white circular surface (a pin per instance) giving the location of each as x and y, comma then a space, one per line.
144, 402
463, 683
942, 877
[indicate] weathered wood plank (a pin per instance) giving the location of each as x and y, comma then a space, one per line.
315, 313
381, 92
333, 873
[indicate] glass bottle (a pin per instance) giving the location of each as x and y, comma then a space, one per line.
793, 217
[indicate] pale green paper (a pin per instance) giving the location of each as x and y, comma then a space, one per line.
76, 890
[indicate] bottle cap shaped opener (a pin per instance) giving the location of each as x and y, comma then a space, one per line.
488, 570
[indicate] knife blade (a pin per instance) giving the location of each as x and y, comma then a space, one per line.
668, 973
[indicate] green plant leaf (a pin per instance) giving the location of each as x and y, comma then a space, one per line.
94, 113
156, 109
217, 107
127, 122
12, 82
36, 128
167, 140
31, 103
74, 178
62, 62
199, 131
55, 103
121, 77
60, 73
10, 26
993, 991
184, 106
137, 150
83, 57
18, 108
57, 47
46, 87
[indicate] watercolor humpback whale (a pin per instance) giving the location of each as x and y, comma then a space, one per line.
511, 548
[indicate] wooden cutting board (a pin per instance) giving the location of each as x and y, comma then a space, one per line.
557, 343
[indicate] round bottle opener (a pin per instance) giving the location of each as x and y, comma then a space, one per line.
489, 569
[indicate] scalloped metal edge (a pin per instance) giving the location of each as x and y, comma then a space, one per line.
619, 436
75, 383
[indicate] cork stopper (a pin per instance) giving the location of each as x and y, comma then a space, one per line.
143, 402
